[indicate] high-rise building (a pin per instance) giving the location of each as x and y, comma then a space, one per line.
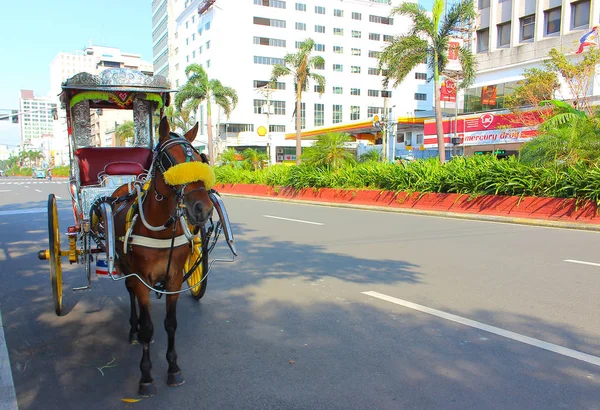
92, 59
36, 121
238, 43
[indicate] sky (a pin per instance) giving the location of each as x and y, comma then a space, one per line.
34, 31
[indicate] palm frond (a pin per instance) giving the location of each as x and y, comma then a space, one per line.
422, 24
401, 56
468, 65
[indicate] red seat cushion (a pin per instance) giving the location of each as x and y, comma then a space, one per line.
93, 160
123, 168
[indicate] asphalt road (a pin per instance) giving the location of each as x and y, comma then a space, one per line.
460, 315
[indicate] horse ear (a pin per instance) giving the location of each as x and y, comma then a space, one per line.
191, 134
164, 129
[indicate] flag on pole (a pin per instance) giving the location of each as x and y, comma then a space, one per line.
588, 39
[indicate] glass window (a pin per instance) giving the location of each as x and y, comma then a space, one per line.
300, 7
338, 49
337, 113
552, 21
319, 115
388, 38
483, 4
354, 112
374, 54
355, 91
338, 67
356, 16
355, 34
208, 44
355, 51
338, 31
373, 71
504, 34
483, 40
580, 14
374, 36
420, 97
420, 76
355, 69
319, 29
527, 28
319, 47
319, 9
337, 90
276, 128
301, 26
318, 89
338, 13
373, 93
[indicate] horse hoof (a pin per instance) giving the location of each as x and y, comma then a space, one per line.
175, 379
147, 389
133, 338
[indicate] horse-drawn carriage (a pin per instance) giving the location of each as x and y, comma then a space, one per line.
143, 213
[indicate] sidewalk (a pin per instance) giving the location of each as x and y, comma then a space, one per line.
8, 398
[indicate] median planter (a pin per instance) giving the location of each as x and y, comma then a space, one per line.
555, 209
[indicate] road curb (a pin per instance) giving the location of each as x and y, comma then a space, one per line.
8, 397
442, 214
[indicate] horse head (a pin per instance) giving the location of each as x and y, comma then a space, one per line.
183, 173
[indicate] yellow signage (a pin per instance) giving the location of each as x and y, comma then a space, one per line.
261, 131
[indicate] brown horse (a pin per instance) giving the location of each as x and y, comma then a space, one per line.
156, 247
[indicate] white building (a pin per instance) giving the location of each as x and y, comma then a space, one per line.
36, 121
92, 59
238, 42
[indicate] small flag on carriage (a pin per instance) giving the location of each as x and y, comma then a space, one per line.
588, 39
102, 269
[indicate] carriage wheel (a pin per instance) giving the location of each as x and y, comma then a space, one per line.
54, 247
199, 290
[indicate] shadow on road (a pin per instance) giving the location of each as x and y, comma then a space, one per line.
273, 332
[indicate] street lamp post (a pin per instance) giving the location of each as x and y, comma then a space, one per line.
386, 124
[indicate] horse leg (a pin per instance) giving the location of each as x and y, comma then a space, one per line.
174, 377
133, 318
147, 387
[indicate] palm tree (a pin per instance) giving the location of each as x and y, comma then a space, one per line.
329, 150
299, 66
180, 119
199, 88
229, 157
125, 133
254, 158
428, 39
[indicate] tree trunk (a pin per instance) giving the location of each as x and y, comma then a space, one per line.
298, 130
439, 128
211, 151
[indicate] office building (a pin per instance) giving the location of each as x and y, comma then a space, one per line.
239, 42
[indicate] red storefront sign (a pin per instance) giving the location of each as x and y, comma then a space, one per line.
448, 91
481, 129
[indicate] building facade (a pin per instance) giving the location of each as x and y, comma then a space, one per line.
92, 59
239, 42
36, 122
511, 37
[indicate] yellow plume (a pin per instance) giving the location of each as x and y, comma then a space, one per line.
188, 172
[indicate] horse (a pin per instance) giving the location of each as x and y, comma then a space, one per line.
155, 246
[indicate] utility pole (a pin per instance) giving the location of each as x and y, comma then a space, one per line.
266, 92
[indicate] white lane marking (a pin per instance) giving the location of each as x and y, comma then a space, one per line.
4, 190
581, 262
24, 211
26, 186
9, 397
57, 197
491, 329
293, 220
37, 190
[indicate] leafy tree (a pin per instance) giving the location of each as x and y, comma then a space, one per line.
199, 88
329, 150
254, 159
229, 157
300, 66
125, 133
526, 100
428, 39
181, 120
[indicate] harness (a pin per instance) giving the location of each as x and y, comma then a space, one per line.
177, 176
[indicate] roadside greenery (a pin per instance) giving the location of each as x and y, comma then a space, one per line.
474, 176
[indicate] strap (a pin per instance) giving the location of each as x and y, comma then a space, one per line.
146, 242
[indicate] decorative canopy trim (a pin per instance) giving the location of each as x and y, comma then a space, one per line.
120, 98
117, 78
